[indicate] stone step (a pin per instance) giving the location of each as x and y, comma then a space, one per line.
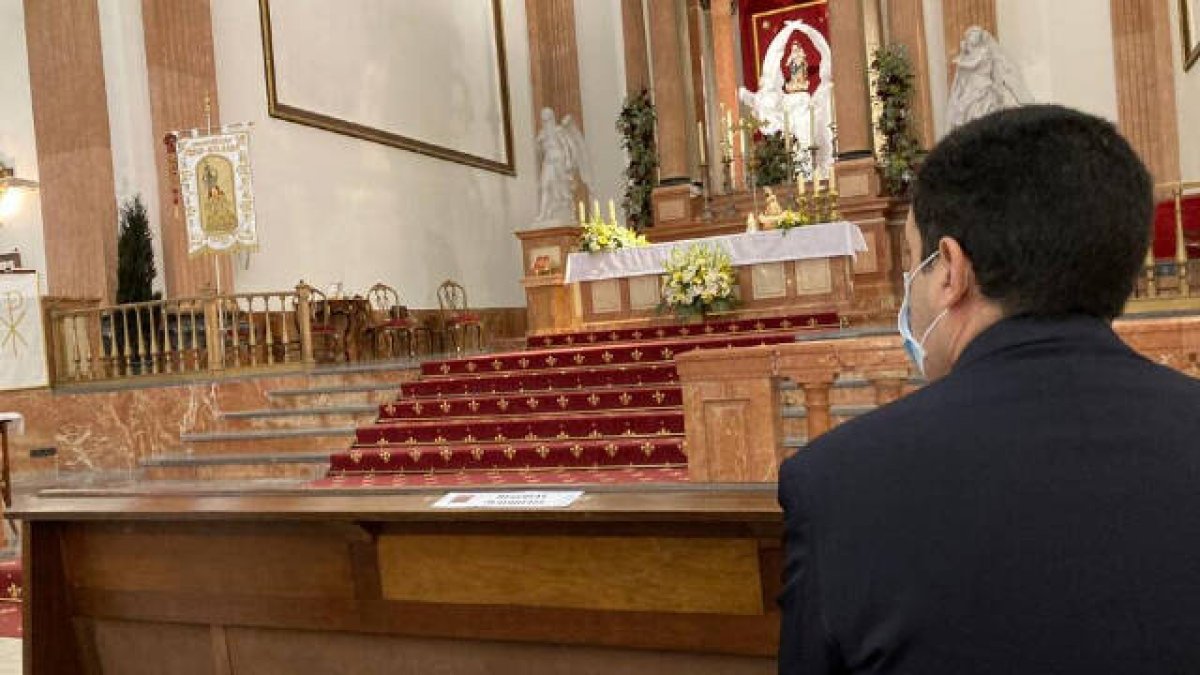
299, 440
288, 418
228, 472
532, 428
376, 393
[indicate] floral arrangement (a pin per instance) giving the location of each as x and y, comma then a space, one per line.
599, 235
636, 126
893, 77
699, 280
792, 219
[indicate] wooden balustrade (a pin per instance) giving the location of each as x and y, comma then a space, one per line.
732, 398
181, 336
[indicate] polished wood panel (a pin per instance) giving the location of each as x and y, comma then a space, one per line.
1146, 83
906, 26
233, 580
75, 165
182, 74
665, 574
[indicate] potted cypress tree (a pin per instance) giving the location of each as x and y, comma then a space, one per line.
135, 276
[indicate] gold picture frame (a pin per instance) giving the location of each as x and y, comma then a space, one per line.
313, 118
1189, 32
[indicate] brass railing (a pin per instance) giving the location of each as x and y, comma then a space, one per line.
1171, 284
181, 336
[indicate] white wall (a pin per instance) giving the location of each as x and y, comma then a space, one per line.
1065, 50
23, 227
1187, 98
123, 48
334, 208
598, 34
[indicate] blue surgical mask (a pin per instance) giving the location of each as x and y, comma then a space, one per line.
913, 347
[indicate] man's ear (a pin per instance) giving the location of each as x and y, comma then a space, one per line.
960, 276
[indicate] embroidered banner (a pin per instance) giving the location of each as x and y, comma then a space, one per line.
22, 340
217, 193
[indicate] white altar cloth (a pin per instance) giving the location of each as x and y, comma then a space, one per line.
826, 240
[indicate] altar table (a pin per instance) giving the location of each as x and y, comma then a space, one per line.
805, 269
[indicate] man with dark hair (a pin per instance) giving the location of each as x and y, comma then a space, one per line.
1036, 507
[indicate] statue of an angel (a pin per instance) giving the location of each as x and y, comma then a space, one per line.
985, 80
561, 154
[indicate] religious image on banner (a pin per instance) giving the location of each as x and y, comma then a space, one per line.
217, 192
786, 54
22, 345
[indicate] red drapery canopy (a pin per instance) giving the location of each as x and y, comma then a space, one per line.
761, 20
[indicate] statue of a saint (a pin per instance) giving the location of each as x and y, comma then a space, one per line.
796, 66
985, 80
561, 154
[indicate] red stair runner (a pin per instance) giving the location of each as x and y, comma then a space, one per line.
583, 408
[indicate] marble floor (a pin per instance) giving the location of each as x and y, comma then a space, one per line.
10, 656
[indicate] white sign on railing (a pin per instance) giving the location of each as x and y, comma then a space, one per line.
22, 339
526, 499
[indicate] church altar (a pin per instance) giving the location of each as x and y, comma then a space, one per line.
808, 269
824, 240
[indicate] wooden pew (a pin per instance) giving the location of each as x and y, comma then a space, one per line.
676, 580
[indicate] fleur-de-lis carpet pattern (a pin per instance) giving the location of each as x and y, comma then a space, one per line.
575, 411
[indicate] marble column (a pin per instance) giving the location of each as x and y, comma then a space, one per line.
633, 29
851, 98
957, 17
906, 26
554, 57
182, 73
1145, 83
74, 147
670, 92
672, 197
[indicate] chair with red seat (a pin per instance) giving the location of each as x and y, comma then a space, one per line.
321, 326
392, 322
457, 320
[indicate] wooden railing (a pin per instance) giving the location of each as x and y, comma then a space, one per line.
181, 336
1170, 285
733, 398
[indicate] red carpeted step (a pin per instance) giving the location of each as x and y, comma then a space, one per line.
646, 451
625, 376
780, 323
626, 398
593, 356
531, 428
497, 478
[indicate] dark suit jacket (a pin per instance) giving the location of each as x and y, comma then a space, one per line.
1035, 511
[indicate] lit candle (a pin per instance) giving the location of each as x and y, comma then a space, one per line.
745, 145
729, 131
700, 142
596, 209
787, 133
812, 125
833, 177
612, 211
582, 212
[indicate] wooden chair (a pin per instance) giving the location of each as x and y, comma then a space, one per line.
457, 320
391, 321
325, 335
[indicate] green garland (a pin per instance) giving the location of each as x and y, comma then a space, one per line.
636, 126
901, 152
